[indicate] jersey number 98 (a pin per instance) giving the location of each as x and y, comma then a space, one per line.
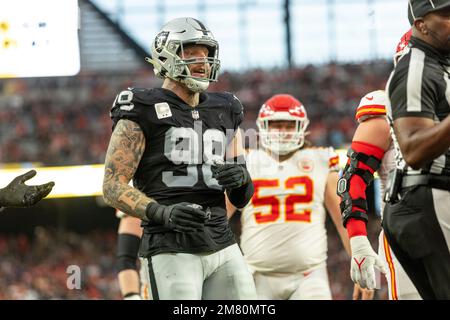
186, 146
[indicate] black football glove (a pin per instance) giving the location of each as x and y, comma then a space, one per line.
18, 194
230, 176
180, 217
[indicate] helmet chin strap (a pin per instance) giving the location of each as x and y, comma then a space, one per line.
195, 85
192, 84
282, 148
283, 152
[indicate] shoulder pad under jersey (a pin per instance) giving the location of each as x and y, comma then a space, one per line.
372, 104
236, 105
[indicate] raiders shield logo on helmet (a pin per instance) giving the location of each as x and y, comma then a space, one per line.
160, 40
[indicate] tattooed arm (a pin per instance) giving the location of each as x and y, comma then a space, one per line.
126, 147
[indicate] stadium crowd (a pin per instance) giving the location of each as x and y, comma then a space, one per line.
36, 267
65, 121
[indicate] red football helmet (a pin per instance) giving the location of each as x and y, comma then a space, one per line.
402, 46
286, 108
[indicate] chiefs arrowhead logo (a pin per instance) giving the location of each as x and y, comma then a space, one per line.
305, 165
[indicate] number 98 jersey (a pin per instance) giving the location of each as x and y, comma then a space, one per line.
283, 226
180, 142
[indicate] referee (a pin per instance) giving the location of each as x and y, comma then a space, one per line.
417, 219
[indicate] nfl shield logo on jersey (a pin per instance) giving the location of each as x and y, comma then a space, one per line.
195, 114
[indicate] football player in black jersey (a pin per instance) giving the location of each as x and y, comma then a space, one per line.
182, 148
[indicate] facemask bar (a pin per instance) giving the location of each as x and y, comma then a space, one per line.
181, 65
210, 64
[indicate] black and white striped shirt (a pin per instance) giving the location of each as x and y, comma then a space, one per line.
419, 86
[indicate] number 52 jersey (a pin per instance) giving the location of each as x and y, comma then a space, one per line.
283, 226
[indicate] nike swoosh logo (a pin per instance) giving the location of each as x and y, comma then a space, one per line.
369, 98
359, 263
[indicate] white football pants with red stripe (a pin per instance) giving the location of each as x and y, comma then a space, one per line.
399, 284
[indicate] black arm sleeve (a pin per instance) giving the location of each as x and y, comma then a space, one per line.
127, 251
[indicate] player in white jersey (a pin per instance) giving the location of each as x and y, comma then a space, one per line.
283, 236
374, 129
372, 138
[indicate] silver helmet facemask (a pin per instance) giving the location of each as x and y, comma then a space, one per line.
168, 50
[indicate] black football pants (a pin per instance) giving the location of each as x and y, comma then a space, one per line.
418, 231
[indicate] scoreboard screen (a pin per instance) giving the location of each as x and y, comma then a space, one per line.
39, 38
